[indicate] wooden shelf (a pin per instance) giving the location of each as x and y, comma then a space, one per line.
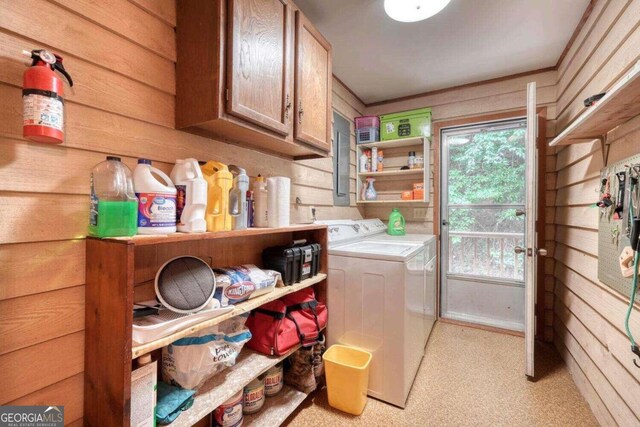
241, 308
619, 105
395, 143
229, 382
393, 172
276, 409
141, 240
389, 202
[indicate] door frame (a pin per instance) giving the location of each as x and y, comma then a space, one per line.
483, 118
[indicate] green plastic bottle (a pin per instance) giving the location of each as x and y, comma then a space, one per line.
396, 225
114, 206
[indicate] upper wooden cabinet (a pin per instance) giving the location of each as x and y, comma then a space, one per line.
256, 73
312, 85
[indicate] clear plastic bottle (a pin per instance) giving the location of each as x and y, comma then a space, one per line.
114, 206
260, 202
238, 197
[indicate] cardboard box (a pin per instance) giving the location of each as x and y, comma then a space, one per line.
407, 195
418, 194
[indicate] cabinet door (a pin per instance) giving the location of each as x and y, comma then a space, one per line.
258, 65
312, 85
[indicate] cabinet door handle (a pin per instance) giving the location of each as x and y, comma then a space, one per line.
287, 107
300, 113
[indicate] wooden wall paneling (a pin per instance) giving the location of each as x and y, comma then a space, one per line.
600, 22
94, 86
41, 365
621, 414
40, 317
163, 9
99, 46
109, 291
23, 219
117, 16
583, 240
600, 410
577, 216
67, 392
31, 268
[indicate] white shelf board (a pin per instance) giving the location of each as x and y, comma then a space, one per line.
276, 409
393, 172
227, 383
619, 105
394, 143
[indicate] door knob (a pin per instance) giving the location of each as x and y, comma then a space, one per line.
541, 252
519, 212
518, 250
445, 222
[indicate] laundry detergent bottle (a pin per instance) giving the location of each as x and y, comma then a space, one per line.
156, 199
238, 198
191, 200
220, 181
114, 207
396, 225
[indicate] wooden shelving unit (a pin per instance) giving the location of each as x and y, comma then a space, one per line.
620, 104
392, 177
120, 272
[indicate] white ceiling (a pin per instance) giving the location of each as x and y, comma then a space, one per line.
469, 41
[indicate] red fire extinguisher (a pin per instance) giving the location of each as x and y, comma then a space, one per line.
42, 98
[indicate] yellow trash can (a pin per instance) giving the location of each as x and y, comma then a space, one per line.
347, 372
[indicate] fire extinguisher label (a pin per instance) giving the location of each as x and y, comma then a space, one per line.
41, 110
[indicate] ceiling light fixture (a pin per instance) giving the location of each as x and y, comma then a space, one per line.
413, 10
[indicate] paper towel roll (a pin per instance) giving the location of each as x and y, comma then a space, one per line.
278, 201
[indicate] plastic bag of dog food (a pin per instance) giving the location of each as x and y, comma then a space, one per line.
189, 362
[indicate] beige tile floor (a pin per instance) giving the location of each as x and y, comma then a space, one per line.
470, 377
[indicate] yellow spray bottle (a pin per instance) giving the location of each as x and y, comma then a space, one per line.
219, 181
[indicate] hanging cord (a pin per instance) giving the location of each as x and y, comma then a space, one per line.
634, 287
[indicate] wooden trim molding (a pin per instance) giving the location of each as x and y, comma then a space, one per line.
349, 90
583, 20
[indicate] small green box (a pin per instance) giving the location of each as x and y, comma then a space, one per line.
405, 124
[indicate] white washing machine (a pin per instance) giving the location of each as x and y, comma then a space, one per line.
382, 296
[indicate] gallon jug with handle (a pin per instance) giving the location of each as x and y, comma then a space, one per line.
238, 198
191, 200
114, 207
396, 225
156, 199
219, 180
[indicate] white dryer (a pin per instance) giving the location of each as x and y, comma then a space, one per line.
381, 296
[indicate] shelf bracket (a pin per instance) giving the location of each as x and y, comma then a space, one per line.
604, 147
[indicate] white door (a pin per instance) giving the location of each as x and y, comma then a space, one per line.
531, 213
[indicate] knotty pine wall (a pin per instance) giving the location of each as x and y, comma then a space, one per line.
589, 331
121, 55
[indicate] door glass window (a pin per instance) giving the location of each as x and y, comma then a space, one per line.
485, 188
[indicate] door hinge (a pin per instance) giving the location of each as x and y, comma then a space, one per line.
226, 94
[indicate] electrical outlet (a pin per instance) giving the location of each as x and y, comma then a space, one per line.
313, 213
419, 213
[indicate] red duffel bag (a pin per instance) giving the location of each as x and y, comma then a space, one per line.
280, 325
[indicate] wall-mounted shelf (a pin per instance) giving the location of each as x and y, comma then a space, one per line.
244, 307
394, 172
396, 143
619, 105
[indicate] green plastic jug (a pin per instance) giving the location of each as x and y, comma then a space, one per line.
396, 224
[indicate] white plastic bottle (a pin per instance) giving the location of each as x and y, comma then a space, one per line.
191, 201
238, 197
156, 199
260, 202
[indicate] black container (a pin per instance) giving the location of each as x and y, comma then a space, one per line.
284, 259
295, 262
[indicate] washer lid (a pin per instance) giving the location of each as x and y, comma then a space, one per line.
392, 251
